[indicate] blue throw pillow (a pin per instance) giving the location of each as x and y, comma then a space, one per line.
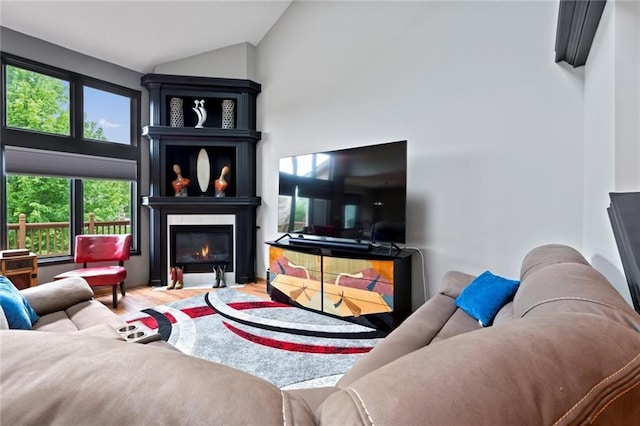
484, 296
16, 309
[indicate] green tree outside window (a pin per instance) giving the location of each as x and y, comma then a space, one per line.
40, 103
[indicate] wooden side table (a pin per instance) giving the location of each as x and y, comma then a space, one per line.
21, 268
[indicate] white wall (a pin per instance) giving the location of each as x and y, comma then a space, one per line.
237, 61
38, 50
507, 149
612, 131
494, 126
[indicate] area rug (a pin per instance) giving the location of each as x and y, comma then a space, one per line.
285, 345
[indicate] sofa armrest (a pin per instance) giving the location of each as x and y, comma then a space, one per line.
101, 330
556, 368
57, 295
416, 332
453, 282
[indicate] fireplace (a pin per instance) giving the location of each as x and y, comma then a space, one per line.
198, 248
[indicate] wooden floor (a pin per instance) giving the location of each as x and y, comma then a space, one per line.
139, 298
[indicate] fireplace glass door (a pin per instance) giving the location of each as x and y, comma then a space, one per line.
200, 248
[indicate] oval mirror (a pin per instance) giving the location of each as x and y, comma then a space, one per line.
204, 170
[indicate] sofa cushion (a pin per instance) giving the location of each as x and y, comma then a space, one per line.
17, 311
483, 298
504, 314
4, 325
459, 323
91, 312
312, 398
58, 322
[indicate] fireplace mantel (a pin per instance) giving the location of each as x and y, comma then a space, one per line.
190, 202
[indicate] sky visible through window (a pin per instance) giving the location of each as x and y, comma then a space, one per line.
111, 112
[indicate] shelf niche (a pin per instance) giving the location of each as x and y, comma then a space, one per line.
213, 106
187, 158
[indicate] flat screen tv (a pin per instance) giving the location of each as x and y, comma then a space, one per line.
355, 194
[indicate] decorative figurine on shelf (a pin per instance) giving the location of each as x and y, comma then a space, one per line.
180, 184
201, 112
228, 121
221, 183
176, 114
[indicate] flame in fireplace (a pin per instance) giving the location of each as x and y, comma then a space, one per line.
204, 251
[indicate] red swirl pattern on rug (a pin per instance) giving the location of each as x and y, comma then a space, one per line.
295, 347
201, 311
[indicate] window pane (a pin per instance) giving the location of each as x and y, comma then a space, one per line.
107, 206
37, 101
323, 166
321, 209
304, 165
350, 211
286, 165
44, 204
284, 212
107, 116
301, 214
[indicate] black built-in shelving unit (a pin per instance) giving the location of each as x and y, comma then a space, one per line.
235, 147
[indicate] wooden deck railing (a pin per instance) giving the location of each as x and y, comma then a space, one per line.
52, 238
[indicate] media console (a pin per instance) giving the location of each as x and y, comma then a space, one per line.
371, 287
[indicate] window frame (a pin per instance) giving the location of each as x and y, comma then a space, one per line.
73, 143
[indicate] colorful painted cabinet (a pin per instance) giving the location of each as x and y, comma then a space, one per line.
371, 289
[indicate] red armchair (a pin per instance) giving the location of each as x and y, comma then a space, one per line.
101, 248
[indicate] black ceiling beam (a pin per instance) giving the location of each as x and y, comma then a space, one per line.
577, 24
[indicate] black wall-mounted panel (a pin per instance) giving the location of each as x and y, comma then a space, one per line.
624, 214
577, 24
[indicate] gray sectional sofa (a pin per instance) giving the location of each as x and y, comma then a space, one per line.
565, 351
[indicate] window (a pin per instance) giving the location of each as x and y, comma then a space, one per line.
106, 116
301, 214
305, 193
72, 158
39, 214
36, 101
107, 206
350, 214
285, 224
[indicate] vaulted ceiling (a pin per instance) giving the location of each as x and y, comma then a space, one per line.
141, 34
